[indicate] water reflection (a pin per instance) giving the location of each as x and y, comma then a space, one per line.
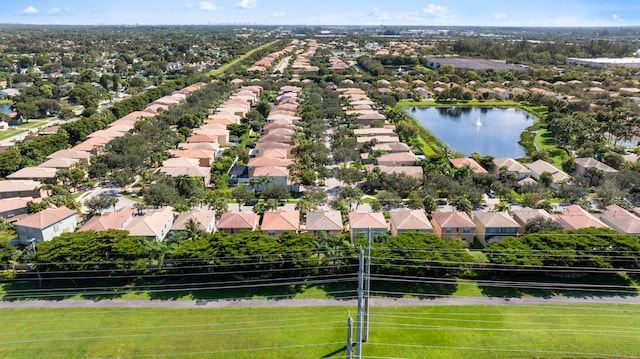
497, 134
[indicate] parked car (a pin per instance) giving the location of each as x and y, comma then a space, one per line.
251, 202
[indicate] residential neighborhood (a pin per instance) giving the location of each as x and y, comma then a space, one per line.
244, 167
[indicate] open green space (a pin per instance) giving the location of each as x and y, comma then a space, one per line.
545, 141
225, 67
490, 331
33, 124
9, 133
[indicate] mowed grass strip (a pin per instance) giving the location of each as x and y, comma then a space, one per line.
10, 133
496, 331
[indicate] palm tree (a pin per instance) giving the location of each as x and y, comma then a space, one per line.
261, 182
139, 207
193, 228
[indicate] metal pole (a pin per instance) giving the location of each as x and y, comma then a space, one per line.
367, 286
349, 334
360, 295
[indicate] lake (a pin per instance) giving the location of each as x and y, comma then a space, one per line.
5, 108
488, 131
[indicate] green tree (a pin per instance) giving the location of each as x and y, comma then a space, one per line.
242, 193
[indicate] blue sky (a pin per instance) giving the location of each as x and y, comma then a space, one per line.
325, 12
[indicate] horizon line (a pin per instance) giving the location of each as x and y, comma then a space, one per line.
343, 25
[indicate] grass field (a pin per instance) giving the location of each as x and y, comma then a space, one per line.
223, 68
542, 331
545, 141
9, 133
33, 124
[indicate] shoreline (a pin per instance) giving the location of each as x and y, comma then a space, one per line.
530, 110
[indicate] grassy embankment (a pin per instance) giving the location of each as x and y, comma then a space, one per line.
220, 70
490, 331
531, 139
10, 133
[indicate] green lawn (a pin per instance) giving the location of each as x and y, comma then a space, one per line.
545, 141
223, 68
9, 133
541, 331
33, 124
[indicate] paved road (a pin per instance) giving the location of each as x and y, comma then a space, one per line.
105, 192
253, 303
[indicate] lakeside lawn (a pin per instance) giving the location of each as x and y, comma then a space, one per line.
447, 332
545, 141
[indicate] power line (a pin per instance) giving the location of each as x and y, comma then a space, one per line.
429, 318
223, 351
46, 292
296, 327
507, 350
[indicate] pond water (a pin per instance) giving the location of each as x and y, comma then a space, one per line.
5, 108
488, 131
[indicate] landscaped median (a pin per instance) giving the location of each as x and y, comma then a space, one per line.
447, 332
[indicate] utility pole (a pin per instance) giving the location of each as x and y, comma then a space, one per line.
367, 287
349, 334
360, 295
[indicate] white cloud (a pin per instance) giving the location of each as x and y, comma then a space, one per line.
277, 14
55, 10
435, 10
207, 6
30, 10
617, 18
188, 5
247, 4
500, 16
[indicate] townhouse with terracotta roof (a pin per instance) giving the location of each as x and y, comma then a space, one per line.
575, 217
325, 222
176, 167
411, 171
621, 220
466, 161
235, 222
14, 207
405, 220
369, 224
93, 145
397, 159
373, 131
391, 147
21, 188
492, 226
82, 156
511, 166
205, 157
582, 163
274, 223
60, 163
153, 225
109, 220
48, 175
204, 218
455, 224
46, 225
540, 166
526, 214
